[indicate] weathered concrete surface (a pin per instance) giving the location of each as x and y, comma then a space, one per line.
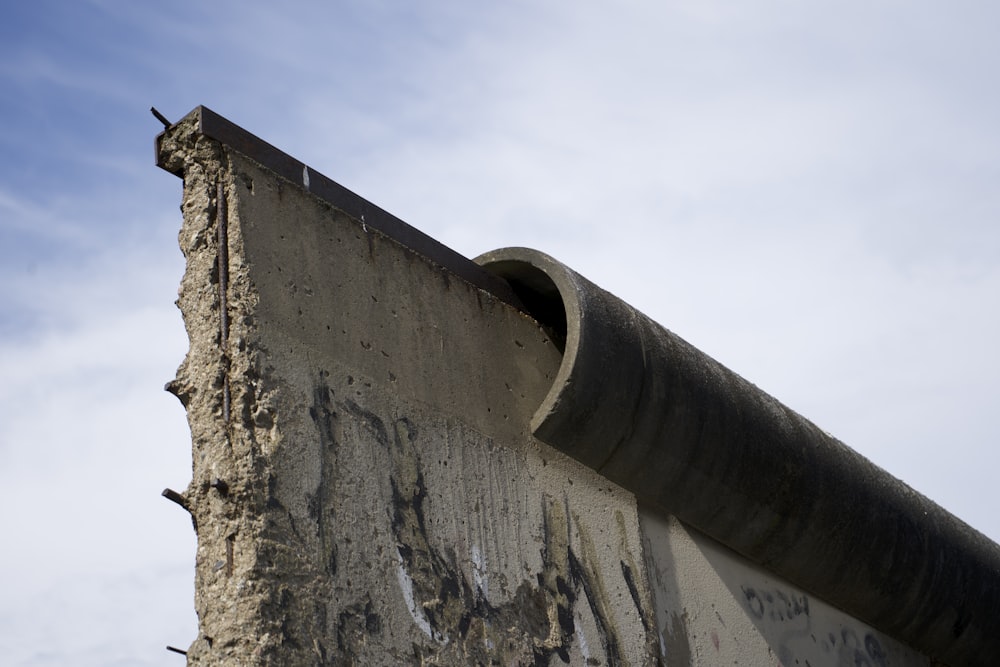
365, 486
714, 607
368, 488
688, 436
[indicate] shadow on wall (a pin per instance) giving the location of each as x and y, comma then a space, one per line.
558, 614
714, 606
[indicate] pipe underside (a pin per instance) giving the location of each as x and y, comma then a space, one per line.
690, 437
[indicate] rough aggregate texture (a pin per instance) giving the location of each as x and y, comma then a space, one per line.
366, 486
365, 489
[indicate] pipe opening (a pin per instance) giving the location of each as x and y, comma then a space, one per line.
539, 295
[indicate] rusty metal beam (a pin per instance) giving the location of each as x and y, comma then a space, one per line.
370, 216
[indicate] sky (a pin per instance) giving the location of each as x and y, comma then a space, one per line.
807, 192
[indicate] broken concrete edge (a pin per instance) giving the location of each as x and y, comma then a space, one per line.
958, 582
234, 137
691, 438
357, 406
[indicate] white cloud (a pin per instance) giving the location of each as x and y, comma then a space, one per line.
804, 200
99, 566
805, 192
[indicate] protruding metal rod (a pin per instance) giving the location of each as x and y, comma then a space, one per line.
173, 496
229, 555
160, 117
176, 650
223, 268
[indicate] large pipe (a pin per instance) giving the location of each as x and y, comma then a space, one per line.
690, 437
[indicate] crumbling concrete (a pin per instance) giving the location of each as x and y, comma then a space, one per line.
365, 488
373, 482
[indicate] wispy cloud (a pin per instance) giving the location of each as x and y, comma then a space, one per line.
805, 192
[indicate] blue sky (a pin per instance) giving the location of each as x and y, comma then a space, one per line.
806, 191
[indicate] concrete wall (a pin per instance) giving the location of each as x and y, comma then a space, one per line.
367, 488
714, 607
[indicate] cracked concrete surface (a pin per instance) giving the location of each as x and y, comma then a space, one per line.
364, 485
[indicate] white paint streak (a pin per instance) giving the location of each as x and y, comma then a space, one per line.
582, 641
479, 572
406, 586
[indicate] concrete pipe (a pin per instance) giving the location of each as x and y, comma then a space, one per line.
690, 437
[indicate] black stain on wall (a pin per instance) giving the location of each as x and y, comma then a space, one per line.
321, 505
356, 624
633, 590
536, 626
609, 639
